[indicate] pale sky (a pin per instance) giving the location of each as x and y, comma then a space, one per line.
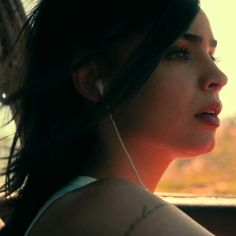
222, 16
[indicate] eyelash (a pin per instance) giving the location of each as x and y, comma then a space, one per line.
178, 54
183, 54
215, 59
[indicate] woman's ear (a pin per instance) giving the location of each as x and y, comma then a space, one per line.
85, 80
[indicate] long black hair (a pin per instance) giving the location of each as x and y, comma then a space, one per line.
57, 128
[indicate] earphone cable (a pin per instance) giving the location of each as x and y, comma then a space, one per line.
127, 153
99, 86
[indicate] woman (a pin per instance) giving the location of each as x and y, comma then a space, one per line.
107, 101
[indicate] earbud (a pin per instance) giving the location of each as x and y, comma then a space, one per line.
99, 86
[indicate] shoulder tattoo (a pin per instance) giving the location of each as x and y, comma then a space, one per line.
144, 215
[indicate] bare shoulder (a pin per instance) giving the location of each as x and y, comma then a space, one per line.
114, 207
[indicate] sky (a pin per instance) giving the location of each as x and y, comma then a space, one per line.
222, 16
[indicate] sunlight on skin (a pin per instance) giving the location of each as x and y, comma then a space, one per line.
222, 17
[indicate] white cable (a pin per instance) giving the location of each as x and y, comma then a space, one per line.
127, 153
100, 87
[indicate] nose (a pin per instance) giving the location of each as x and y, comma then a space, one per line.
214, 79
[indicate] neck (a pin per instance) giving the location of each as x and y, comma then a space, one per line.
150, 161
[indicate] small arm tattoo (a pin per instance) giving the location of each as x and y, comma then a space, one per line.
144, 215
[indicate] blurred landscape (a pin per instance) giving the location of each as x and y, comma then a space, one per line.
209, 174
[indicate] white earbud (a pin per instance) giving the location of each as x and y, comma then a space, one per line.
100, 86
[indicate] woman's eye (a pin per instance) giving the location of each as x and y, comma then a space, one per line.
178, 54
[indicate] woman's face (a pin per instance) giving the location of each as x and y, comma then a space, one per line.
177, 109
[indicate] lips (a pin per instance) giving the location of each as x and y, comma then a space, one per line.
209, 115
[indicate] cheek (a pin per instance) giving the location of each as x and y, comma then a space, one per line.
158, 106
169, 96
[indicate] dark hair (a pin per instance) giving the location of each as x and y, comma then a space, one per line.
58, 127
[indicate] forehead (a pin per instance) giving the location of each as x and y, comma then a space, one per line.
201, 26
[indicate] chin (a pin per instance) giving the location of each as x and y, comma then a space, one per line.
208, 145
198, 149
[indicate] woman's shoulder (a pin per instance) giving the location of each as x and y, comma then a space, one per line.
107, 204
114, 207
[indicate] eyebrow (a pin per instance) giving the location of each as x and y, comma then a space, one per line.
198, 39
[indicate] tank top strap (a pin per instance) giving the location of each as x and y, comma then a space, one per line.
76, 183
